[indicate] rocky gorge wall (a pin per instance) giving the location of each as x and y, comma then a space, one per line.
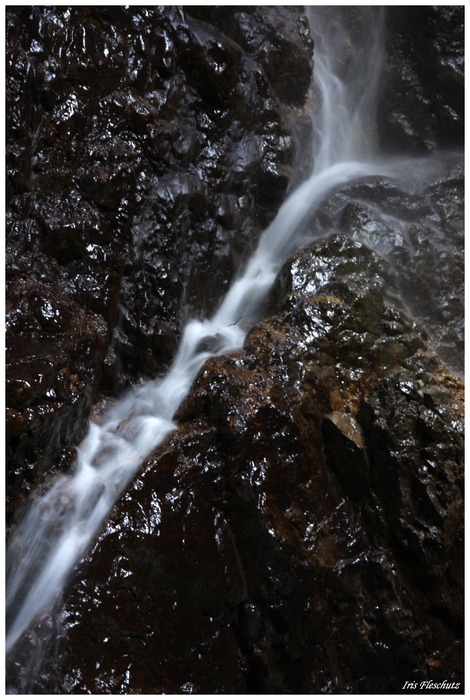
301, 531
146, 151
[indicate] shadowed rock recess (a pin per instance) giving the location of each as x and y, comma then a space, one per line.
301, 531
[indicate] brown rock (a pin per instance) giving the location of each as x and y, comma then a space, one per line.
275, 543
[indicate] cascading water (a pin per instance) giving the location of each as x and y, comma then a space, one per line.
345, 128
58, 527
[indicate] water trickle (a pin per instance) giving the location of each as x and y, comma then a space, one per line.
58, 527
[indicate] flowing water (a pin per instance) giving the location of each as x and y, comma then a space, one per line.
59, 527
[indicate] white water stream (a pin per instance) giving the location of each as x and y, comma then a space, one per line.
58, 527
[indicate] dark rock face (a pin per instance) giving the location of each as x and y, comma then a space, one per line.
301, 532
271, 36
416, 224
422, 99
146, 150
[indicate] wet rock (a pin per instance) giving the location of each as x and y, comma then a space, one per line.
346, 451
306, 518
189, 597
146, 150
301, 532
281, 46
415, 223
53, 357
422, 100
421, 95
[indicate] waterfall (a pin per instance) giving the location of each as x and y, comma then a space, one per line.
346, 125
59, 526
